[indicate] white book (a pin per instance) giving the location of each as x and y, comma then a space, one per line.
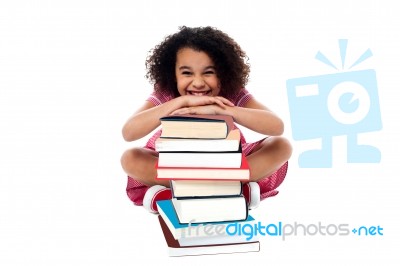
200, 159
188, 230
230, 143
205, 188
201, 210
198, 247
215, 240
204, 173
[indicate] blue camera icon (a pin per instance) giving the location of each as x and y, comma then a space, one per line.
325, 106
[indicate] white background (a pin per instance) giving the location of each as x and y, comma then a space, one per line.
72, 72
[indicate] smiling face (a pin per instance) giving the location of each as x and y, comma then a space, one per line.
195, 73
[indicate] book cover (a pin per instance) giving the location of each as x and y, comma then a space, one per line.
176, 249
205, 188
178, 230
230, 143
214, 209
215, 239
227, 159
196, 126
204, 173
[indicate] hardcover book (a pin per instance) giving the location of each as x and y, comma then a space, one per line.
230, 143
188, 230
213, 209
227, 159
196, 126
205, 188
176, 249
205, 173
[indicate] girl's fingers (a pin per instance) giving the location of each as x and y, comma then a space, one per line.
177, 112
182, 111
219, 103
203, 101
222, 102
225, 101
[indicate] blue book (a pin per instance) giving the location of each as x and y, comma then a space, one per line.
187, 230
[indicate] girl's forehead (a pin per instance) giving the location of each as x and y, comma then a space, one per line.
189, 54
192, 58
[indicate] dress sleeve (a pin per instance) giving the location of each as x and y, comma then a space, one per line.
158, 98
242, 97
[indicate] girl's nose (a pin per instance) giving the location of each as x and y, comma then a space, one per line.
198, 82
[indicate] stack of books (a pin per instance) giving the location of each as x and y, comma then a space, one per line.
200, 147
202, 157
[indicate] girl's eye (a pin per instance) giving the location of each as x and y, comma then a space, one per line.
210, 72
186, 73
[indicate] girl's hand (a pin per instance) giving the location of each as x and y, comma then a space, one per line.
191, 100
211, 109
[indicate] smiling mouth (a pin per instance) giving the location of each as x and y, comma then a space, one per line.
199, 93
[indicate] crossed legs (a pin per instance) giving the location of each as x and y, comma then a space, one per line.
265, 159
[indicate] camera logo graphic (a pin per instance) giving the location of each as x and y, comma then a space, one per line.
344, 103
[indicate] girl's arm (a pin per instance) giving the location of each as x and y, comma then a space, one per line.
253, 115
147, 118
257, 117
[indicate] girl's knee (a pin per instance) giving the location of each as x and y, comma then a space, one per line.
282, 147
285, 147
129, 157
138, 160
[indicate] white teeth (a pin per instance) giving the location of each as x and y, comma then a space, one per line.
198, 93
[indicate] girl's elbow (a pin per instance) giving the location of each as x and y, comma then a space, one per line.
279, 128
125, 134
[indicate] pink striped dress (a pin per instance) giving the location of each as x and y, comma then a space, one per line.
268, 185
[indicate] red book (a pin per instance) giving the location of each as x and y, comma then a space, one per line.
188, 173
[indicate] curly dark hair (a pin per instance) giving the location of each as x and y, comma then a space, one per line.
230, 60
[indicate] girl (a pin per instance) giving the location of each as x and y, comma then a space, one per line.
202, 71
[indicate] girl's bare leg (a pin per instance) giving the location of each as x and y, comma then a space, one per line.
271, 154
139, 163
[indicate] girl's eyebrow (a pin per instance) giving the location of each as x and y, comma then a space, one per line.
188, 68
184, 67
